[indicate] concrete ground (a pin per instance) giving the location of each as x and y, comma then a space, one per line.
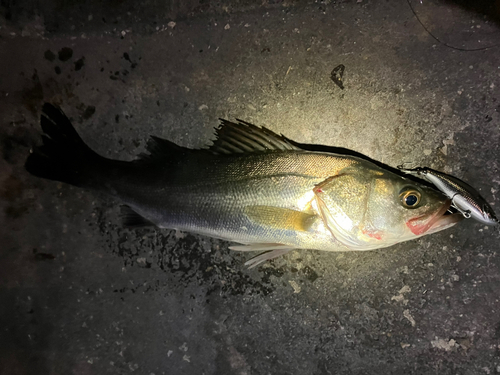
79, 294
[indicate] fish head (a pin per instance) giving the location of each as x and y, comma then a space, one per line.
370, 208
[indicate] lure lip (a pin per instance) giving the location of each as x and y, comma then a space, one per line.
487, 217
427, 224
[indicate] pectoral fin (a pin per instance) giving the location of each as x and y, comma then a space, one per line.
281, 218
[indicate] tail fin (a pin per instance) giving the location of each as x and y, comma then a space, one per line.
63, 156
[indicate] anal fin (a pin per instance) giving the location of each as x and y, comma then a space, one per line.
132, 219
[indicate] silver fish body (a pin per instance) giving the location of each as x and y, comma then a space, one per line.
252, 187
464, 197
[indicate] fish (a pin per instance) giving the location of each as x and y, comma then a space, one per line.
252, 187
464, 197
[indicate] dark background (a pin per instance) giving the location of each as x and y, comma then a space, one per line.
79, 294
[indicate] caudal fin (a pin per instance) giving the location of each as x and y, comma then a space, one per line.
63, 156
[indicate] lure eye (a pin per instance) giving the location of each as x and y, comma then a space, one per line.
410, 198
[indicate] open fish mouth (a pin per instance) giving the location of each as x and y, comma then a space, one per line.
442, 219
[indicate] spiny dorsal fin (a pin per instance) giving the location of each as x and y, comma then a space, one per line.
243, 137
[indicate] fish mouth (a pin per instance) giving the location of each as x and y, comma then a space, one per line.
442, 219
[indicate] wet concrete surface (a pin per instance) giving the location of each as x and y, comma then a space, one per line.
80, 294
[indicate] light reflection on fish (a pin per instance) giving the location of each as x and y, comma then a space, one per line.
252, 187
464, 197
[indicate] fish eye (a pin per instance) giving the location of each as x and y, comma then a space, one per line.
410, 197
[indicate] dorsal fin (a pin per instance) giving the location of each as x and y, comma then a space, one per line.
163, 149
243, 137
232, 138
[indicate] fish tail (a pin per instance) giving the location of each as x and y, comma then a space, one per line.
63, 156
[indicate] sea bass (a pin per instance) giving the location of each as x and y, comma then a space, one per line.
253, 187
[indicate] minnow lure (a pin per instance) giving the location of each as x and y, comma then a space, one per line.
464, 197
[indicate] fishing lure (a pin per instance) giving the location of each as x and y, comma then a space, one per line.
464, 197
